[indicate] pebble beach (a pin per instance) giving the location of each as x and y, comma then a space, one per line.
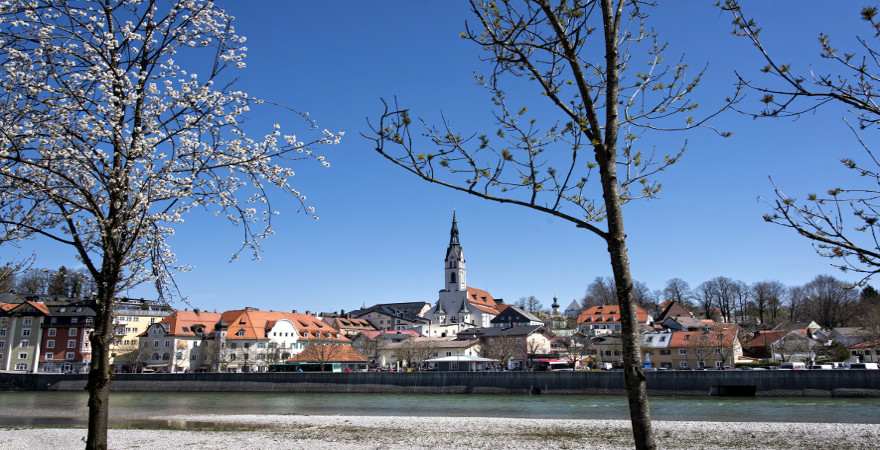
397, 432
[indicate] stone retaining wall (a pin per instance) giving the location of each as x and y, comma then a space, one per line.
762, 383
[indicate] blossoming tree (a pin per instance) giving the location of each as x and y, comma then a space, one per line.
109, 138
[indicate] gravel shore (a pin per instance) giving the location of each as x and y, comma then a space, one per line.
362, 432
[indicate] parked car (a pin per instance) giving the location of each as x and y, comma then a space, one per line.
864, 366
792, 366
821, 367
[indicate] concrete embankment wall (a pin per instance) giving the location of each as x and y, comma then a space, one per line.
760, 383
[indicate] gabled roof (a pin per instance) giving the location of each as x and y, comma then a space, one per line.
764, 339
720, 335
515, 314
674, 309
181, 323
7, 306
608, 314
38, 306
408, 311
346, 323
251, 324
329, 353
477, 296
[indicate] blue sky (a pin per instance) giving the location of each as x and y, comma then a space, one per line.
382, 233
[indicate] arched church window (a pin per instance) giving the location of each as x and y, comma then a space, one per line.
452, 277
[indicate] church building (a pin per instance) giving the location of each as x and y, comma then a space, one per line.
459, 306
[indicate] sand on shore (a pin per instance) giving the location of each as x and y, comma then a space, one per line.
388, 432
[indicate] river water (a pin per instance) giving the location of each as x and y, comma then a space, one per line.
127, 408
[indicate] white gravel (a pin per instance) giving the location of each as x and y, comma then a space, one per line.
382, 432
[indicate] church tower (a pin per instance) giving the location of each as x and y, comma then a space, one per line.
455, 272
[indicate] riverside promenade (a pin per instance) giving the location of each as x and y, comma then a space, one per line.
820, 383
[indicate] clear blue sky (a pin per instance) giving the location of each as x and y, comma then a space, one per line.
383, 233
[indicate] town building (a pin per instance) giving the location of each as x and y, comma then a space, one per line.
349, 326
414, 352
325, 357
180, 342
65, 346
367, 343
250, 340
21, 335
514, 316
865, 352
713, 347
606, 319
394, 316
131, 317
514, 347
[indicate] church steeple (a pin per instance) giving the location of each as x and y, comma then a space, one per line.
455, 272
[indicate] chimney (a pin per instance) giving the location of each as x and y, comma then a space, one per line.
196, 310
308, 313
293, 311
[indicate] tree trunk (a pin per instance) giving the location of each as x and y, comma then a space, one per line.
606, 157
99, 372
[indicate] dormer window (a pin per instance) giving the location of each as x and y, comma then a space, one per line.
239, 333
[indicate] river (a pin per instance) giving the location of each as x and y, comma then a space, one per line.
69, 408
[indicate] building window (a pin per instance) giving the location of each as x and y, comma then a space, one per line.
71, 332
239, 333
25, 332
22, 355
683, 364
165, 356
50, 343
24, 343
2, 332
53, 320
74, 320
69, 356
52, 332
2, 344
89, 320
682, 351
27, 321
71, 343
155, 357
49, 356
21, 367
155, 343
718, 364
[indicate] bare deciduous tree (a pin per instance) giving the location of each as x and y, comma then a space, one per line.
108, 141
844, 223
768, 297
601, 67
678, 290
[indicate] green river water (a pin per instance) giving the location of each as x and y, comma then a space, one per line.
127, 408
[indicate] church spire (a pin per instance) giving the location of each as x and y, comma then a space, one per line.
453, 233
455, 271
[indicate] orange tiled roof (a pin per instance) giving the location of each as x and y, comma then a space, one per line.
180, 323
7, 306
723, 335
39, 306
483, 300
765, 338
608, 314
326, 353
351, 323
251, 324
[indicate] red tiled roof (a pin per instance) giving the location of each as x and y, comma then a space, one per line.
723, 335
482, 300
326, 353
180, 323
608, 314
7, 306
39, 306
251, 324
764, 339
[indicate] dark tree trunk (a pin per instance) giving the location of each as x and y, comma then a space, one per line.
606, 157
98, 384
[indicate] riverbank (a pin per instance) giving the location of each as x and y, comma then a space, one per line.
371, 432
